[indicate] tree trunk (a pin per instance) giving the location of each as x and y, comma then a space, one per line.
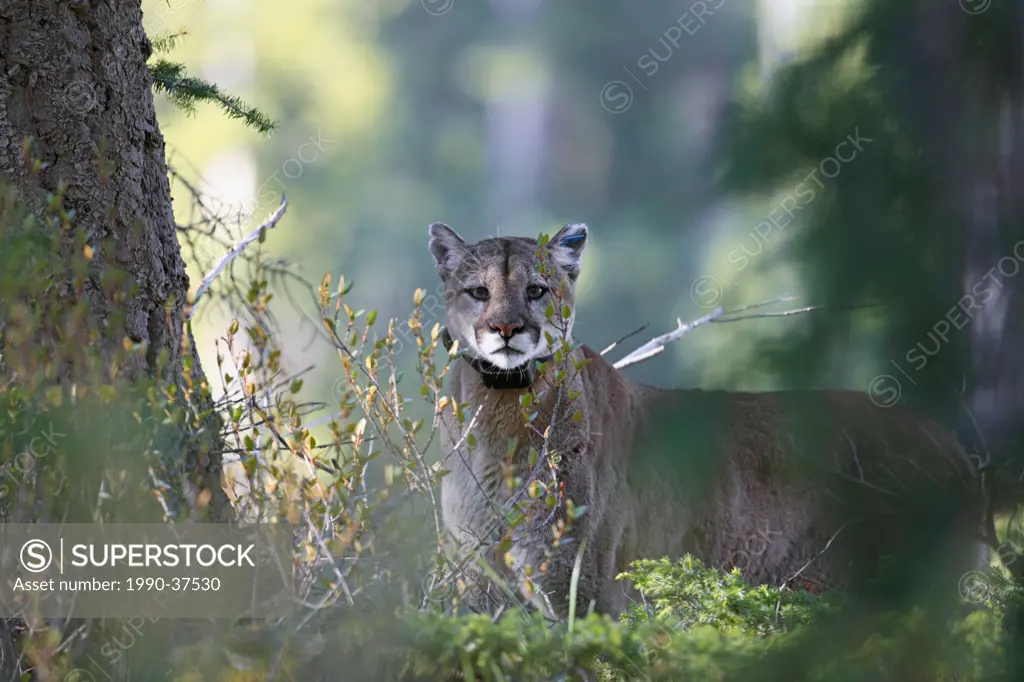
969, 98
75, 94
995, 252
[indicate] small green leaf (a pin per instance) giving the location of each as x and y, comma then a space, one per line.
371, 317
526, 399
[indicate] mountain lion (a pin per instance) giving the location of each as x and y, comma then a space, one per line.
796, 488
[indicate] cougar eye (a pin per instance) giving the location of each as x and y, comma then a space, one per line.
479, 293
535, 291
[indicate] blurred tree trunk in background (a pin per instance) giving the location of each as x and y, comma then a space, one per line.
992, 199
77, 120
972, 109
928, 222
959, 86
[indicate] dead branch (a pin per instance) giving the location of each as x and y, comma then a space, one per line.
658, 343
627, 336
233, 253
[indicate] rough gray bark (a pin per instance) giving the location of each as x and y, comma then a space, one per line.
75, 92
73, 78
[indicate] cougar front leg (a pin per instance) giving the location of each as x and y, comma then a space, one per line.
552, 582
544, 572
553, 566
479, 593
478, 590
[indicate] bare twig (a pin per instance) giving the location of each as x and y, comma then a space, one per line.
784, 313
465, 433
627, 336
815, 557
233, 253
657, 344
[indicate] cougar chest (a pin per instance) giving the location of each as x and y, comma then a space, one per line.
503, 435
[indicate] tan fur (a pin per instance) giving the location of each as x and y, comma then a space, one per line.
763, 481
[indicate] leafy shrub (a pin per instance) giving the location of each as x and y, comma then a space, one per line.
686, 593
369, 621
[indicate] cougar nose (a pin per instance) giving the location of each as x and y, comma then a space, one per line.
507, 331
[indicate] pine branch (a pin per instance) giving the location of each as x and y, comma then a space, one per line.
185, 91
166, 40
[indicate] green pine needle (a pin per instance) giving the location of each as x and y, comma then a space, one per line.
186, 91
166, 41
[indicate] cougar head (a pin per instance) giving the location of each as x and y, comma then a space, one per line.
496, 293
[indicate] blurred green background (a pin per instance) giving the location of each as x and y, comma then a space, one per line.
683, 133
497, 118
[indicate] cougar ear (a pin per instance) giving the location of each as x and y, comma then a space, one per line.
567, 248
447, 247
